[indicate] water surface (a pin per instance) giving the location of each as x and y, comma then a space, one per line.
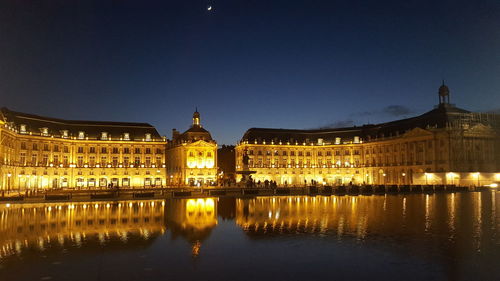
452, 236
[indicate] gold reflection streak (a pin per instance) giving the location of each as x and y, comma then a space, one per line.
477, 230
41, 224
451, 215
427, 214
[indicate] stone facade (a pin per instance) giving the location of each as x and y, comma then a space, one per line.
446, 145
38, 153
192, 156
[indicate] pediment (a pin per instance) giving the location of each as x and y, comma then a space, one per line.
201, 143
417, 132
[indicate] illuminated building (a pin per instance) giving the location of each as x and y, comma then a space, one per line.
192, 155
446, 145
39, 152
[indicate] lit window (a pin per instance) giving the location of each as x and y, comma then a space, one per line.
126, 136
81, 135
104, 136
148, 137
64, 133
22, 129
45, 131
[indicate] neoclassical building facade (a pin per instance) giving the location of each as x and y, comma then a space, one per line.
192, 156
447, 145
38, 153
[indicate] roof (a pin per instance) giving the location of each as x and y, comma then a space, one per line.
92, 129
440, 117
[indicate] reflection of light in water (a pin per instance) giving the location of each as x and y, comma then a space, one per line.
427, 216
195, 249
200, 213
451, 215
477, 231
404, 207
42, 224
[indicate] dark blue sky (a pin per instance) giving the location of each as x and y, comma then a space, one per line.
285, 64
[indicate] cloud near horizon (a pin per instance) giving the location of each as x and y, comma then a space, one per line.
388, 111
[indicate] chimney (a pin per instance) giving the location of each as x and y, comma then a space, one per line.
175, 134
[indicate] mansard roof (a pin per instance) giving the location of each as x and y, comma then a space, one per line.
444, 115
92, 129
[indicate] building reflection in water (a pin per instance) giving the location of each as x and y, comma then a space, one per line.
192, 219
447, 227
41, 226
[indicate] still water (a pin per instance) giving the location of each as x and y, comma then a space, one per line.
452, 236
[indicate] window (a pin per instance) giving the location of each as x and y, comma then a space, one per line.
45, 160
191, 154
137, 150
148, 150
104, 135
148, 161
104, 160
80, 161
23, 145
126, 136
115, 161
92, 161
65, 149
56, 148
301, 153
22, 158
292, 153
81, 135
126, 150
308, 153
159, 151
158, 161
284, 153
35, 146
126, 161
34, 159
320, 153
92, 149
45, 147
45, 131
209, 154
22, 128
137, 160
148, 137
115, 150
55, 159
104, 150
64, 133
80, 149
65, 160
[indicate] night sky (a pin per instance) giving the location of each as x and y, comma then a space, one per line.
280, 64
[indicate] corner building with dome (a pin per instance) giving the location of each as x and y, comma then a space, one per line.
192, 156
446, 145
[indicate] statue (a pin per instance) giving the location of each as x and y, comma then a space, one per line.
245, 158
246, 178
